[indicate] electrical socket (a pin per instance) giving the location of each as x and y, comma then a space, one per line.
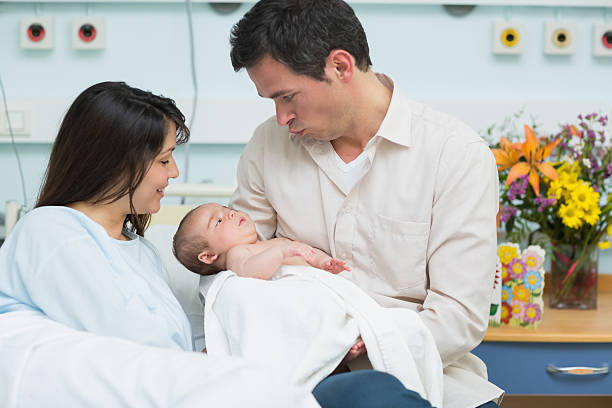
88, 33
560, 38
602, 40
36, 32
20, 117
508, 37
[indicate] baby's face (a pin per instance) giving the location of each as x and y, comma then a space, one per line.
224, 228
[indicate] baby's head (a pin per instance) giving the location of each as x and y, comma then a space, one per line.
205, 235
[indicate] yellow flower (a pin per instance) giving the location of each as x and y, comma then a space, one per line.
584, 196
506, 253
591, 215
571, 216
604, 245
521, 293
568, 177
531, 261
609, 229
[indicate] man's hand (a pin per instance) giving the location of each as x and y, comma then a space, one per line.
335, 266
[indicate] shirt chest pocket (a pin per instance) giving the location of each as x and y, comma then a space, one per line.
398, 251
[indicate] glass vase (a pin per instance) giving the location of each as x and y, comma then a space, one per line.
573, 272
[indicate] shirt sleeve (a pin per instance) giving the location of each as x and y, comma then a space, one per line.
461, 252
77, 284
250, 194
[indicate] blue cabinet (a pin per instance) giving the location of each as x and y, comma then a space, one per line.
520, 367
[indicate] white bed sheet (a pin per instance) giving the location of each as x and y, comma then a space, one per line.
43, 363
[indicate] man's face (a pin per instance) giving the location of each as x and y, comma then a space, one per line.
307, 106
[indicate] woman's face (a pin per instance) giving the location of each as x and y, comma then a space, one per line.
150, 191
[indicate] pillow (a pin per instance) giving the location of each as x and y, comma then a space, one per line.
183, 283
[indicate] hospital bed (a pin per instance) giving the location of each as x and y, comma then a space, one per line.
184, 283
44, 363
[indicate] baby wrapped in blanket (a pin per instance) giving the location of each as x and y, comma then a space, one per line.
299, 320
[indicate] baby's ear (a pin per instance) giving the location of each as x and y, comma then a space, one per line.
207, 257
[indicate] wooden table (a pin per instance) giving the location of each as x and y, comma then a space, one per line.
517, 358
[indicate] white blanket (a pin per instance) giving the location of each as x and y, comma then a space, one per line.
302, 323
46, 364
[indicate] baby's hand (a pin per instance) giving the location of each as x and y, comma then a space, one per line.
299, 249
335, 266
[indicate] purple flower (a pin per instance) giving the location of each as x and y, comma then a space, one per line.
544, 202
517, 268
507, 213
608, 171
532, 313
518, 188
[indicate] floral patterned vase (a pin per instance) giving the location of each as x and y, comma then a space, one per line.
573, 277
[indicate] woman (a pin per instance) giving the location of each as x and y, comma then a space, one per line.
79, 258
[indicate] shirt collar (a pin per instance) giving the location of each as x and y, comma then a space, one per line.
395, 127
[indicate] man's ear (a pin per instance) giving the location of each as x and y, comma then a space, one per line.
340, 64
207, 257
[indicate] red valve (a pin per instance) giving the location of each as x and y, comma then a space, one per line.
87, 33
36, 32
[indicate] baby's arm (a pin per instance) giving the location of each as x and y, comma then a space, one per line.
263, 265
320, 259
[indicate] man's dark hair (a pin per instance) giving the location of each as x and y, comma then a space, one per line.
299, 34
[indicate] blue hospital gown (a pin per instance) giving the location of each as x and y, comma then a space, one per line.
60, 262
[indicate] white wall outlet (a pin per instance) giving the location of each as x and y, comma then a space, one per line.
602, 40
88, 33
560, 38
19, 119
36, 32
508, 37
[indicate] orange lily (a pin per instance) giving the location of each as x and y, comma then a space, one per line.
574, 131
534, 156
507, 155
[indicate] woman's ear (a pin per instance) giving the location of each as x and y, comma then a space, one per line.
207, 257
340, 64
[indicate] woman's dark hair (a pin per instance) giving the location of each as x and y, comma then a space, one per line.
299, 34
106, 143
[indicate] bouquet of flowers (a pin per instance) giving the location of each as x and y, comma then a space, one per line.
569, 201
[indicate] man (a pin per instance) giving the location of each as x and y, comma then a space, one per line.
406, 195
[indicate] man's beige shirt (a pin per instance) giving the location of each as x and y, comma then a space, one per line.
417, 230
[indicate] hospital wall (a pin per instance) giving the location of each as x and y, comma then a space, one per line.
432, 56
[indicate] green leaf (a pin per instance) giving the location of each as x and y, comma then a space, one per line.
493, 310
